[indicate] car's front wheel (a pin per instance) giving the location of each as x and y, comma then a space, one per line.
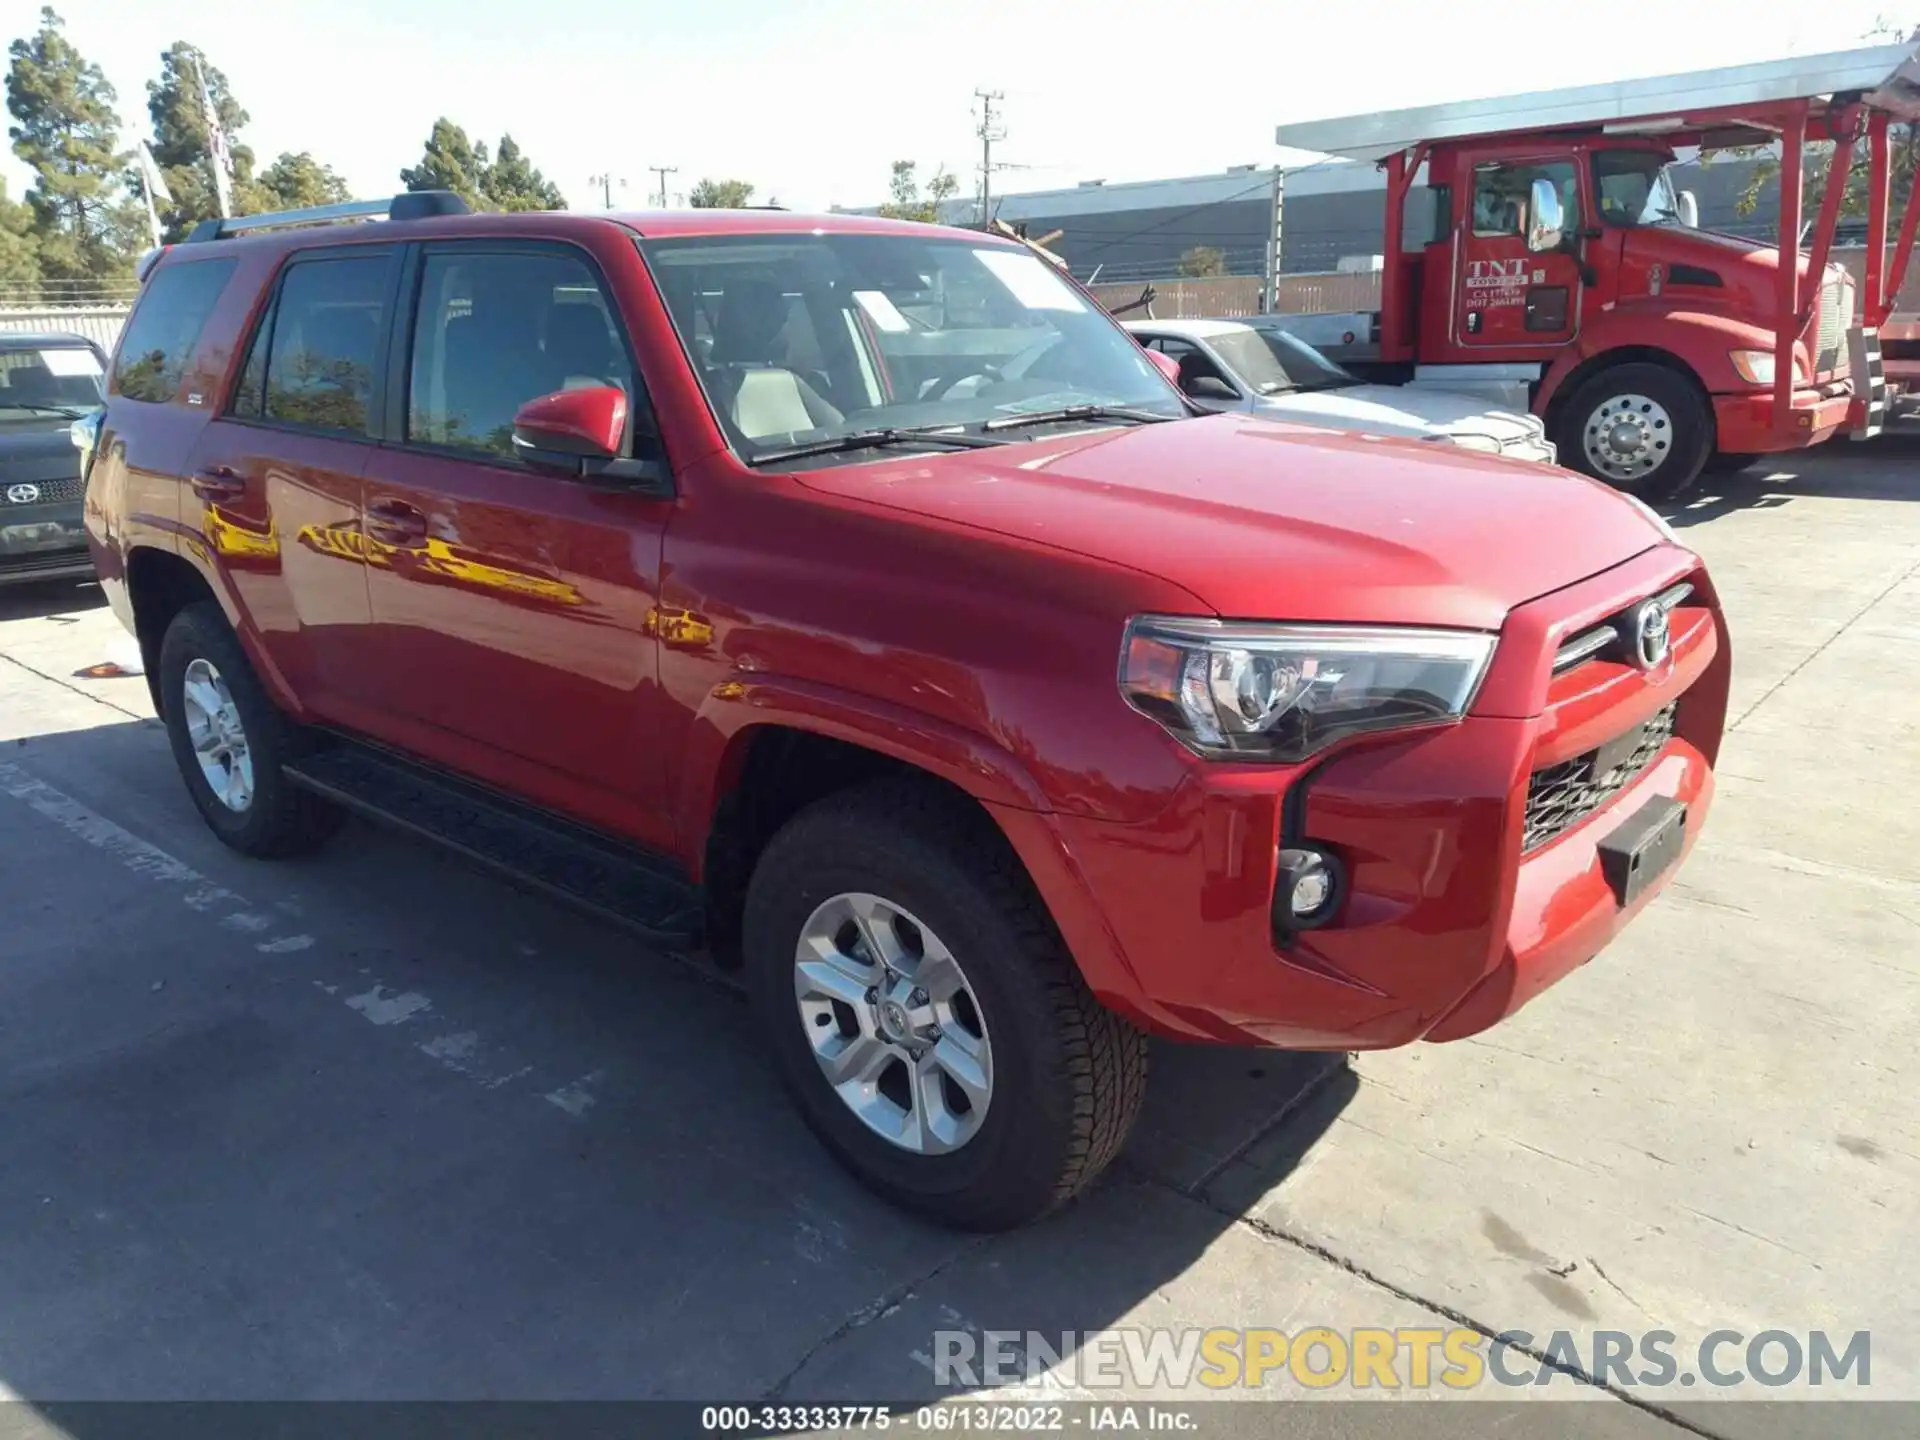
925, 1015
230, 742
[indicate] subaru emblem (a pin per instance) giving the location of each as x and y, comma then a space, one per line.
23, 494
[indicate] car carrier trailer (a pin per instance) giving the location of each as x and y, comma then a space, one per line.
1564, 273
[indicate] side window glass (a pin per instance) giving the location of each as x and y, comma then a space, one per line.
249, 395
1501, 194
166, 325
327, 326
495, 330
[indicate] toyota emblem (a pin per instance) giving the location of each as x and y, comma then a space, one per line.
1650, 635
23, 494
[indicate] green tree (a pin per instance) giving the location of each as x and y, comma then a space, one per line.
19, 257
450, 162
907, 202
513, 183
720, 195
85, 225
1202, 261
181, 144
298, 182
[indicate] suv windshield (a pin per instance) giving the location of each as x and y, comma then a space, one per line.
1634, 188
55, 380
805, 338
1271, 361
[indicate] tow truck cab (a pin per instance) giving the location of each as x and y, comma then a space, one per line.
1563, 270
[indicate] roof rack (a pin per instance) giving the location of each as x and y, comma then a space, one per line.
408, 205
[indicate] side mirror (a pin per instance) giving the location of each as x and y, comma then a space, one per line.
571, 432
1211, 387
1165, 364
1546, 222
1689, 209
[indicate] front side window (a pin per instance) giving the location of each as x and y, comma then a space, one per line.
497, 329
166, 324
313, 358
1503, 193
59, 381
1634, 188
797, 338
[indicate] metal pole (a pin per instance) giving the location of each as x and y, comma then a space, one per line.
1793, 137
987, 136
663, 171
1879, 186
1270, 292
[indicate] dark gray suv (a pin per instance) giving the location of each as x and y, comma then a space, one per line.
47, 382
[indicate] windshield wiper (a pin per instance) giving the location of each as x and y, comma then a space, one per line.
1076, 412
69, 412
874, 439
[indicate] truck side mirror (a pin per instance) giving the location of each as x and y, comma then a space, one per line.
1689, 209
1546, 223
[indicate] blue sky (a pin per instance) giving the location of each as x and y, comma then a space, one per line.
811, 99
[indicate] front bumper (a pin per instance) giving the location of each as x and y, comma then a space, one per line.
42, 542
1744, 422
1446, 926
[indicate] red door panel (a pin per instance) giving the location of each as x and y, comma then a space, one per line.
1505, 296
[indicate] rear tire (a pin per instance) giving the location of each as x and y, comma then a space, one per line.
1640, 427
1064, 1076
230, 741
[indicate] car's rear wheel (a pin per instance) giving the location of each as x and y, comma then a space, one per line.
1640, 427
230, 742
925, 1015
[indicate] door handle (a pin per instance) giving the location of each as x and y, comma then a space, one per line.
395, 522
218, 482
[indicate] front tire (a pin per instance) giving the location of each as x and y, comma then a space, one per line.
230, 741
925, 1015
1641, 428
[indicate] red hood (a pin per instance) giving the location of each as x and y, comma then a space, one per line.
1747, 269
1267, 521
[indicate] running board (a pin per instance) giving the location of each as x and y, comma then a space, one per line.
531, 848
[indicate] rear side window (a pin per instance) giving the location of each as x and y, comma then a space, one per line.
312, 360
497, 329
166, 325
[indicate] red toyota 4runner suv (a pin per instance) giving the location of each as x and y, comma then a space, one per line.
854, 601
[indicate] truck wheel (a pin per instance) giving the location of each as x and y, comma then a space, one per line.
925, 1015
1642, 428
229, 741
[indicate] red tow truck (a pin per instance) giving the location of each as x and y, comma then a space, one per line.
1565, 273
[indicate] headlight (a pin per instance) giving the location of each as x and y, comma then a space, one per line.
1754, 366
1473, 440
1229, 690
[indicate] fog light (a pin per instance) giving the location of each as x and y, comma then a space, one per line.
1306, 889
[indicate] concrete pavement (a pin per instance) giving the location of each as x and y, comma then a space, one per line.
371, 1125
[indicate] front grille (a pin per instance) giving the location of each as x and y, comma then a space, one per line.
1836, 318
52, 492
1561, 796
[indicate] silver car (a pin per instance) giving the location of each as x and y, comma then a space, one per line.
1230, 365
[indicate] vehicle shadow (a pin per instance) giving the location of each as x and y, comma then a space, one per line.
371, 1125
1887, 468
43, 598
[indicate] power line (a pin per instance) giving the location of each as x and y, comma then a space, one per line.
663, 171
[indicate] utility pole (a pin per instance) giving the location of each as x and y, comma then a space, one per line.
606, 184
663, 171
988, 132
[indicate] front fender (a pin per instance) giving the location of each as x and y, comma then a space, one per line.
1699, 341
716, 739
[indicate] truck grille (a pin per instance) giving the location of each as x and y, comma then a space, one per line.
1836, 319
51, 491
1561, 796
